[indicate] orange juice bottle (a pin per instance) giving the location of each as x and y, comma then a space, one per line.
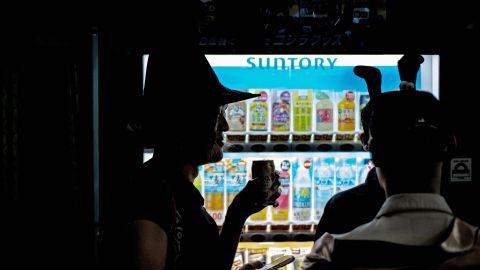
346, 112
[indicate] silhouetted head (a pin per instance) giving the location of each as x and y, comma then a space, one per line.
406, 126
410, 136
184, 107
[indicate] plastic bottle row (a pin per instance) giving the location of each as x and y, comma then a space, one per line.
307, 182
282, 111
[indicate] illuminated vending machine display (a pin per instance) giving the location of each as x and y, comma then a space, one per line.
307, 120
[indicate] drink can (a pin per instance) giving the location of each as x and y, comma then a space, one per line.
265, 170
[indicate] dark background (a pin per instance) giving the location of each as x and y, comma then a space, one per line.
47, 216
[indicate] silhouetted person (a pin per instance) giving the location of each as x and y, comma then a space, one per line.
165, 223
356, 206
415, 228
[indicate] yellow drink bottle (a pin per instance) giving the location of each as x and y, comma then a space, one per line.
302, 110
346, 112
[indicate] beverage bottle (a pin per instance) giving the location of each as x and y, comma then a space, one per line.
302, 192
236, 115
323, 185
281, 111
259, 112
214, 187
302, 110
345, 177
236, 177
280, 213
346, 112
323, 112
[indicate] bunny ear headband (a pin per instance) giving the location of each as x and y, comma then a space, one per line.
373, 78
408, 67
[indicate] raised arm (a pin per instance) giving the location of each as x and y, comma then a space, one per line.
249, 201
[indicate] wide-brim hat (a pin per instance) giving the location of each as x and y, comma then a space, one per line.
188, 76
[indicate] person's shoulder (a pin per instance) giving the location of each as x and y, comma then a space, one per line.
321, 252
462, 237
464, 241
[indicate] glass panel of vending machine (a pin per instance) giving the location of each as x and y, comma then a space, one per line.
307, 120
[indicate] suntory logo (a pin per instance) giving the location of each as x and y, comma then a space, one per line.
284, 63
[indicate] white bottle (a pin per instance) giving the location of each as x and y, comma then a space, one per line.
323, 186
302, 194
345, 178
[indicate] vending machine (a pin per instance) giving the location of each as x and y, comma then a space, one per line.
307, 120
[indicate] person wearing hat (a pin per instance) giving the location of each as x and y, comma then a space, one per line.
167, 225
409, 137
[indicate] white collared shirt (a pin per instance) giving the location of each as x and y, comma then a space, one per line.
417, 219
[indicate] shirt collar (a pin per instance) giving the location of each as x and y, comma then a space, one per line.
414, 201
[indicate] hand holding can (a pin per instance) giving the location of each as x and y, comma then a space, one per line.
264, 170
261, 191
